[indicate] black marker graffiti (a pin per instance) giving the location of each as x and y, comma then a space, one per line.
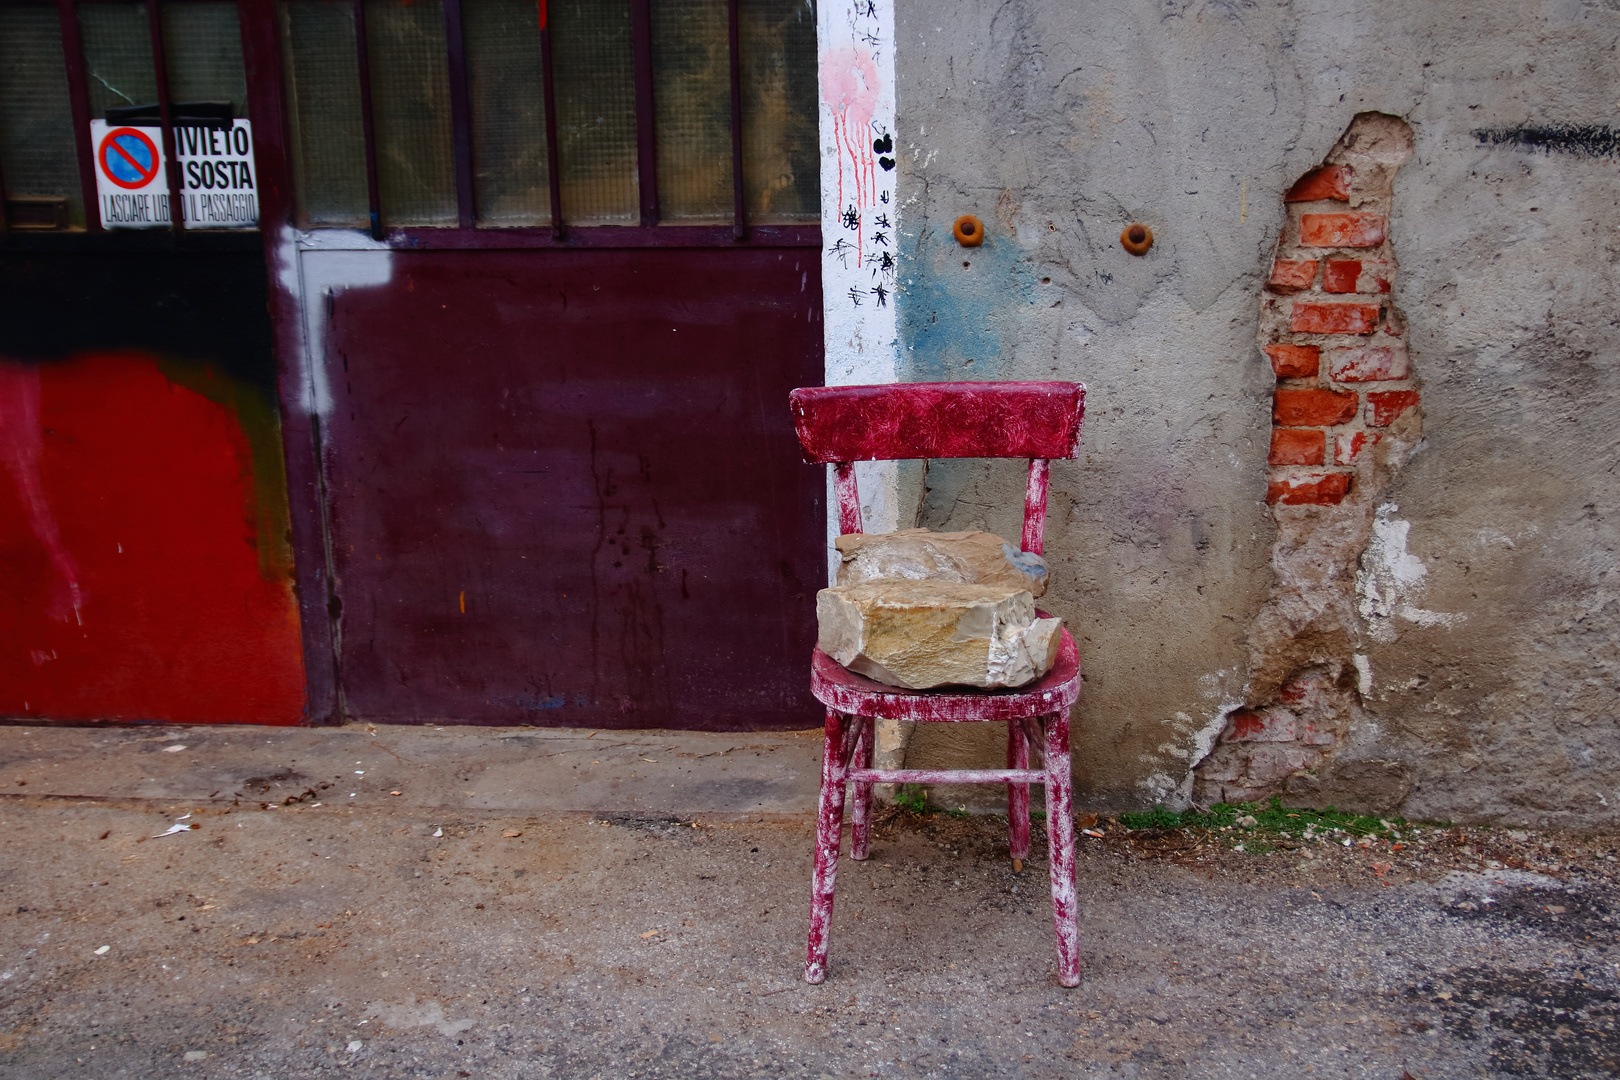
1581, 140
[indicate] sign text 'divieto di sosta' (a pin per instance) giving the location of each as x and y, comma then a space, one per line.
218, 188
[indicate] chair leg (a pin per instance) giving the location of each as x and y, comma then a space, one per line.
1060, 847
1017, 797
829, 829
860, 829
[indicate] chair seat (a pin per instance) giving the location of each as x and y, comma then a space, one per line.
837, 687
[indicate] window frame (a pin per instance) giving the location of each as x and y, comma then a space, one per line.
260, 21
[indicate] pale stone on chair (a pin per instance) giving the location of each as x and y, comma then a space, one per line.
968, 557
926, 634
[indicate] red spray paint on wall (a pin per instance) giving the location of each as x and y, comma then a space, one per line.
132, 555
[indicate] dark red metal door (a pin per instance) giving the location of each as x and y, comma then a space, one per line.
564, 488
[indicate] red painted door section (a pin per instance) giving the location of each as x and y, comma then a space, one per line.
144, 578
564, 488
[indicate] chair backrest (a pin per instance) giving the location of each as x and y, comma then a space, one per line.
839, 425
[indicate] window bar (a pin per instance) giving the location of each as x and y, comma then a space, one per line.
367, 125
79, 100
553, 171
739, 229
460, 112
646, 118
160, 71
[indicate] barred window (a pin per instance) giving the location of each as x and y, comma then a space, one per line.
584, 112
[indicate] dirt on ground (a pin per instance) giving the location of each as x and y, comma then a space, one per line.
319, 938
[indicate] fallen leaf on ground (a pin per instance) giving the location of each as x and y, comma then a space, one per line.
1086, 821
509, 833
648, 934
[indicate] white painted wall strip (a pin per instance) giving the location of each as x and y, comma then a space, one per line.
860, 218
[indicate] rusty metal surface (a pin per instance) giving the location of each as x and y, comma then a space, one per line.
564, 490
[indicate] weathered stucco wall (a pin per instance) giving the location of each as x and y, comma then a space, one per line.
1060, 124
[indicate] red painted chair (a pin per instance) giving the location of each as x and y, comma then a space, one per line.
1034, 420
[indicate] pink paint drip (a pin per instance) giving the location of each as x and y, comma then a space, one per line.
22, 444
849, 81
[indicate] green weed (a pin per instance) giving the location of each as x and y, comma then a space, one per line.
1274, 819
912, 798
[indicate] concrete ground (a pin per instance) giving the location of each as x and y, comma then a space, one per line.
460, 902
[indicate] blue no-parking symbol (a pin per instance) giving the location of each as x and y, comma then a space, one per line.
128, 158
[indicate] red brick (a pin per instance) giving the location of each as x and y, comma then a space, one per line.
1374, 363
1357, 276
1383, 406
1297, 446
1291, 277
1271, 725
1309, 318
1340, 275
1341, 230
1295, 361
1348, 446
1328, 182
1313, 408
1309, 489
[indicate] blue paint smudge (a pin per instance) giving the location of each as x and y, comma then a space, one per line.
951, 317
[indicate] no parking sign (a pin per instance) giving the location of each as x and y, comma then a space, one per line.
218, 185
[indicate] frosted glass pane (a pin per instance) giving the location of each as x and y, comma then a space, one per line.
117, 56
507, 88
410, 103
596, 111
202, 44
37, 150
692, 96
781, 166
323, 91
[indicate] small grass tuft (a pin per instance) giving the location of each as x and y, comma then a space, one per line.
912, 798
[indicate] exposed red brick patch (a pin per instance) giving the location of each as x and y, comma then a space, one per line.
1348, 446
1297, 446
1354, 230
1383, 406
1356, 276
1295, 361
1328, 182
1289, 276
1271, 725
1309, 489
1340, 275
1304, 701
1313, 408
1309, 318
1374, 363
